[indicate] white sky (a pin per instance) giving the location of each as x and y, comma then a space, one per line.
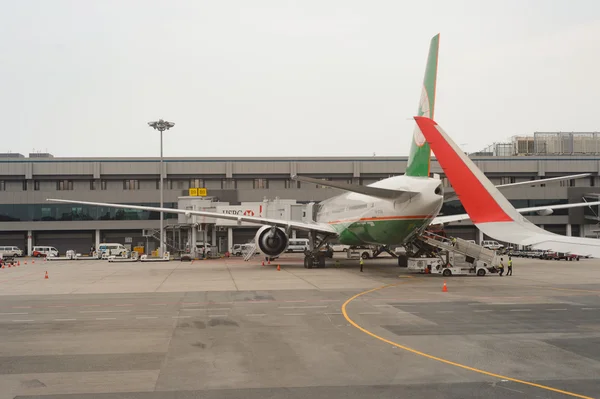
289, 78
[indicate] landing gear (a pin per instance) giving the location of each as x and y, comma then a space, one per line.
311, 261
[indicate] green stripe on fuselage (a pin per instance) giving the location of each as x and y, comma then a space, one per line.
387, 232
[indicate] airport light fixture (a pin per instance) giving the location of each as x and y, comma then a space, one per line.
161, 126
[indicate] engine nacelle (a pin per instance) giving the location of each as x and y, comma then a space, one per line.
272, 241
545, 212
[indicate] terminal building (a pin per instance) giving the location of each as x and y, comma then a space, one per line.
251, 185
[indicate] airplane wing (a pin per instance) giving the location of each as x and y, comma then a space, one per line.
451, 195
316, 227
489, 210
465, 216
376, 192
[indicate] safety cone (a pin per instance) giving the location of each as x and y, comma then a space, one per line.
9, 265
269, 261
278, 268
18, 263
25, 262
32, 262
263, 262
444, 288
46, 278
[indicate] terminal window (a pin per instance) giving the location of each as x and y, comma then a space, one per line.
197, 183
2, 185
292, 184
103, 184
36, 185
261, 183
131, 184
64, 185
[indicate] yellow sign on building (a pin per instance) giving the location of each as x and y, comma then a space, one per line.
197, 192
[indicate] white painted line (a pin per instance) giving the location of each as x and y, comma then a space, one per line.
21, 307
483, 310
332, 314
3, 314
301, 300
104, 311
556, 309
295, 314
444, 311
106, 318
370, 313
256, 314
65, 319
22, 321
520, 310
181, 317
146, 317
217, 315
589, 308
303, 307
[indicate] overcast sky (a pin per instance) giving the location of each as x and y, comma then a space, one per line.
289, 78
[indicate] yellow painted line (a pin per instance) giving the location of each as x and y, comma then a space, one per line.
439, 359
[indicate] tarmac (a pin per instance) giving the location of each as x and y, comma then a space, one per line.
232, 329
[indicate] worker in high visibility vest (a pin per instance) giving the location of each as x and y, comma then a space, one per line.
501, 267
362, 262
509, 272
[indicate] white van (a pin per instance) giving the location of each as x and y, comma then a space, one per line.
39, 251
10, 251
111, 249
297, 245
493, 245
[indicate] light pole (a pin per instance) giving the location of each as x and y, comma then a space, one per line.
161, 126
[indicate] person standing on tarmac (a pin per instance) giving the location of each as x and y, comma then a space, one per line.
501, 267
509, 271
362, 262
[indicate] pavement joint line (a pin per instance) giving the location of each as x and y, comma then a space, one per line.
298, 301
444, 311
180, 317
216, 315
15, 313
295, 314
65, 319
22, 321
520, 310
483, 310
303, 307
333, 314
106, 318
439, 359
146, 317
256, 314
104, 311
370, 313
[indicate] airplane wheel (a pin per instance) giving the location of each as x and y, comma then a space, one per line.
321, 261
310, 262
402, 261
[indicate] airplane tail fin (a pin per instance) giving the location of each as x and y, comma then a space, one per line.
419, 160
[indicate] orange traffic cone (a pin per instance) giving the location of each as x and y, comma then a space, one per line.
263, 262
444, 288
278, 268
32, 262
46, 278
25, 262
9, 265
269, 261
18, 263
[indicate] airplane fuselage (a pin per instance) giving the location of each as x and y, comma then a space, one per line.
362, 219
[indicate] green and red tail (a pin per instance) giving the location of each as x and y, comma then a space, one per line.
419, 160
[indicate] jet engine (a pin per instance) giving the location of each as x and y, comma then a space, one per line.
272, 241
545, 212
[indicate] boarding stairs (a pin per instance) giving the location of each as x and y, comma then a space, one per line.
470, 250
249, 251
169, 243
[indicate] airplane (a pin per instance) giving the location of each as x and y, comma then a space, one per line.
489, 210
392, 211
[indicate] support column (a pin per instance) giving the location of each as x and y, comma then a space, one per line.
569, 229
541, 226
97, 239
480, 236
194, 229
229, 239
29, 242
214, 234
